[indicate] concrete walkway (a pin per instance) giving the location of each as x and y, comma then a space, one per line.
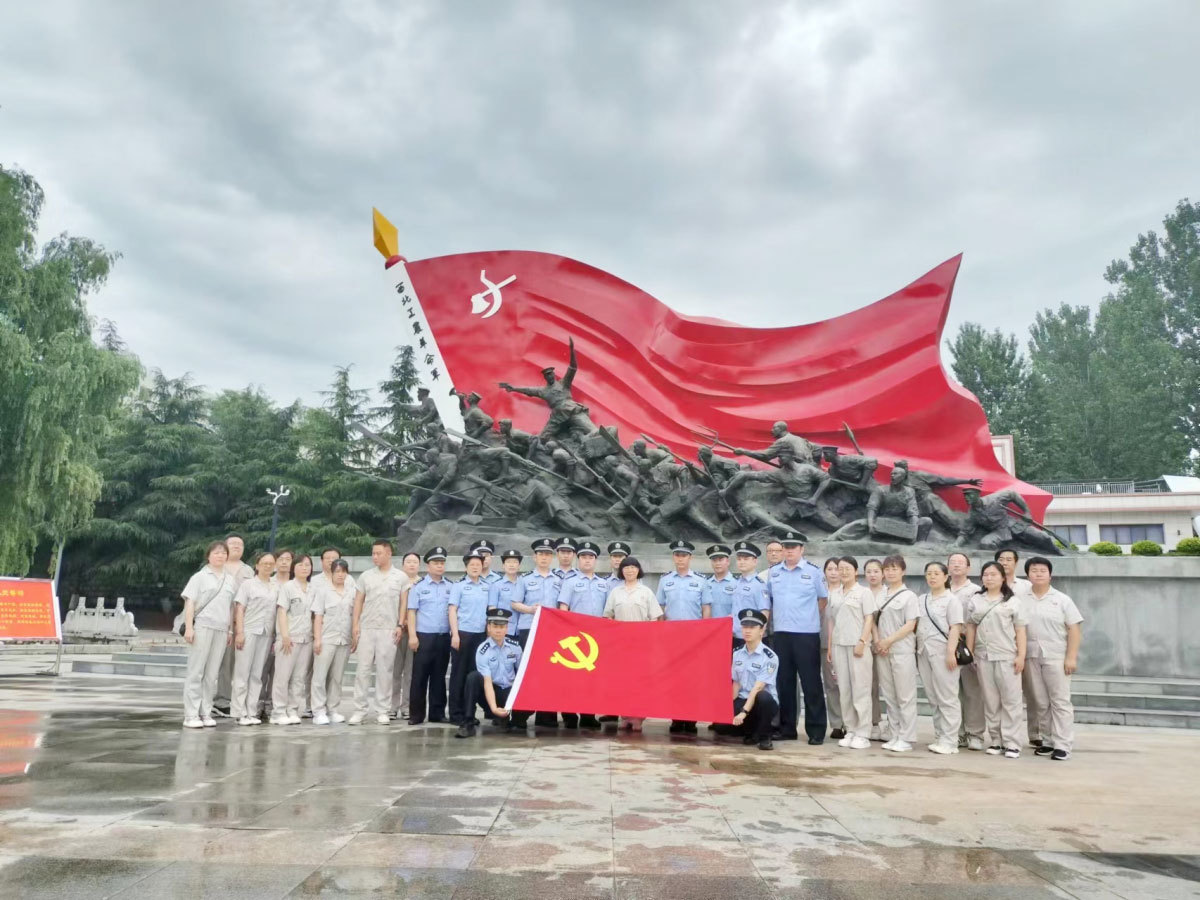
102, 794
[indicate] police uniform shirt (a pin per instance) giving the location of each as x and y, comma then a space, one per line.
490, 578
585, 594
472, 599
996, 624
749, 592
794, 594
681, 596
381, 597
212, 593
1048, 620
536, 589
719, 596
500, 594
937, 612
337, 609
258, 606
297, 604
750, 668
320, 579
897, 609
848, 610
499, 662
431, 601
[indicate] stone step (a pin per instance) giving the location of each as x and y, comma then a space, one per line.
136, 669
1145, 718
1138, 702
1128, 684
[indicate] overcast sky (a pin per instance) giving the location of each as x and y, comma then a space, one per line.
768, 163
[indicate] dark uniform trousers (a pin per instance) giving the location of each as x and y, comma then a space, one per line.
800, 656
758, 720
475, 696
462, 663
429, 678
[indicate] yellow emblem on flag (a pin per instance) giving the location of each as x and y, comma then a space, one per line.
582, 660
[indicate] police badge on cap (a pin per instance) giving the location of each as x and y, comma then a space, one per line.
546, 544
619, 548
472, 554
752, 617
483, 546
681, 546
716, 550
792, 539
745, 548
565, 543
498, 615
435, 554
588, 547
512, 554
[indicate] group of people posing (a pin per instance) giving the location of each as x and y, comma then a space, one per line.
981, 650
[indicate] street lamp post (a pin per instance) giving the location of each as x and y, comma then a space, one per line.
276, 498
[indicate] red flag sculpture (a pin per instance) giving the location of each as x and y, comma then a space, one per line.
484, 318
659, 670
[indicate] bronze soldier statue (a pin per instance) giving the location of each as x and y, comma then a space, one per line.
892, 513
567, 417
989, 524
803, 450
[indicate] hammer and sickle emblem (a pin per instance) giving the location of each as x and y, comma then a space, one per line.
582, 660
480, 302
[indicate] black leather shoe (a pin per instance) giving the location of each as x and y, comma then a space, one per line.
791, 736
465, 730
816, 742
837, 734
765, 744
748, 739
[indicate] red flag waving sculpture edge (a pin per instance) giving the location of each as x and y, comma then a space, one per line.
661, 670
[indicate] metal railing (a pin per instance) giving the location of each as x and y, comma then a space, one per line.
1078, 488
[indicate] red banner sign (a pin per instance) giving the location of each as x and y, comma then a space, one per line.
28, 610
663, 670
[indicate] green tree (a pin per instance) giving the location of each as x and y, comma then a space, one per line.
395, 415
58, 391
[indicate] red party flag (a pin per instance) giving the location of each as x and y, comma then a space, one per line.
662, 670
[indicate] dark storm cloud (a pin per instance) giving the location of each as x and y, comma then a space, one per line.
796, 160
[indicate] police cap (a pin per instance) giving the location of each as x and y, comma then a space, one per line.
483, 546
681, 546
498, 615
792, 538
565, 543
435, 553
619, 548
752, 617
716, 550
512, 554
745, 548
472, 554
588, 547
546, 544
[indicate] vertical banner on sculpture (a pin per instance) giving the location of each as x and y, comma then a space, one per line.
28, 610
661, 670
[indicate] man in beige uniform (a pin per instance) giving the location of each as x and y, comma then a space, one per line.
236, 569
970, 691
402, 666
1053, 636
375, 631
1022, 591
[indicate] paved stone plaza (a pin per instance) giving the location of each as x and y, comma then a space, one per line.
102, 794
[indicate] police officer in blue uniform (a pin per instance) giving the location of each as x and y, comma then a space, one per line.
585, 594
617, 551
755, 669
749, 591
429, 630
719, 588
468, 628
487, 550
565, 549
502, 590
681, 595
797, 591
497, 661
540, 587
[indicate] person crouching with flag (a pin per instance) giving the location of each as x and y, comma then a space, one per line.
755, 665
496, 664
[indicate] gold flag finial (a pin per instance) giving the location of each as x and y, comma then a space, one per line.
387, 239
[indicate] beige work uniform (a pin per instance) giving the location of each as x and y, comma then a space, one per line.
898, 667
258, 631
849, 609
292, 669
937, 616
224, 696
970, 691
833, 692
1023, 591
377, 638
317, 581
336, 608
876, 703
1046, 633
211, 594
995, 652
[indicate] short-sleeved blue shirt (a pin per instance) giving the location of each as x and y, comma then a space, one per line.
471, 598
431, 601
535, 589
794, 594
761, 665
681, 596
585, 594
499, 662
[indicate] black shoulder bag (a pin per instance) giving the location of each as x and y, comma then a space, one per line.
962, 653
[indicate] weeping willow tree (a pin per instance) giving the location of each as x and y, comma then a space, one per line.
59, 391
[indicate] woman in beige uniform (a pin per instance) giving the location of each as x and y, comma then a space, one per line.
283, 572
833, 699
253, 632
896, 655
332, 606
1053, 639
996, 635
970, 694
632, 601
293, 644
207, 614
873, 572
938, 628
851, 614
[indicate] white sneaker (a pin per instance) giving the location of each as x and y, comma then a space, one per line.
845, 742
320, 719
293, 719
357, 718
899, 746
944, 749
860, 743
246, 720
209, 722
889, 744
383, 719
974, 743
277, 719
876, 733
192, 723
337, 718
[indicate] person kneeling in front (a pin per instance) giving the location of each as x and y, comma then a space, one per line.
755, 665
496, 664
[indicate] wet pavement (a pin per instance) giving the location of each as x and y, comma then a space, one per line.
103, 795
